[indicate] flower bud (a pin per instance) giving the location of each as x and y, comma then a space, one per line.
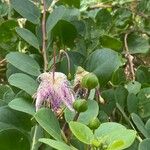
80, 105
69, 77
94, 123
96, 143
90, 81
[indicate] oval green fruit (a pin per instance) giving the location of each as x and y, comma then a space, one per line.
94, 123
80, 105
90, 81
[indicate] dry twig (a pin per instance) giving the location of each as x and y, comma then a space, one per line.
100, 5
129, 57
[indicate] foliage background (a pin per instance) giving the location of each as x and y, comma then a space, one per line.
109, 38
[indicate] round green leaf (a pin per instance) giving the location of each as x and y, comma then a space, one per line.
66, 31
8, 36
81, 132
143, 74
110, 42
85, 117
132, 103
133, 87
75, 3
121, 139
106, 128
144, 145
103, 62
103, 19
144, 102
138, 44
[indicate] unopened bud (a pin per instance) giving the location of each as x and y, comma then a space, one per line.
80, 105
90, 81
94, 123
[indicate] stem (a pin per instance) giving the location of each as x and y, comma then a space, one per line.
34, 138
66, 128
100, 5
68, 59
2, 61
54, 62
2, 69
52, 5
87, 94
129, 57
76, 116
98, 96
44, 37
9, 9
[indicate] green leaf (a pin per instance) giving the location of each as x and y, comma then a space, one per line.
126, 137
139, 124
36, 133
27, 9
22, 105
144, 102
61, 13
116, 145
13, 139
48, 3
16, 119
107, 128
115, 135
147, 126
8, 36
132, 103
5, 126
134, 145
46, 118
110, 102
86, 116
28, 36
110, 42
121, 96
81, 132
137, 44
75, 3
3, 9
24, 63
144, 145
103, 62
66, 32
142, 75
55, 144
23, 82
54, 17
143, 6
122, 18
118, 77
11, 70
133, 87
6, 93
103, 19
